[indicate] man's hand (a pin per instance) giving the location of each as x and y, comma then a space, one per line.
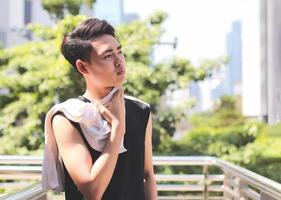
114, 112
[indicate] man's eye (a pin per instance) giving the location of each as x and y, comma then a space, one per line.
107, 56
121, 52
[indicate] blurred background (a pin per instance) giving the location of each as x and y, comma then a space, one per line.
210, 69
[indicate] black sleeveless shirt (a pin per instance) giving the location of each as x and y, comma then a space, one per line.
127, 182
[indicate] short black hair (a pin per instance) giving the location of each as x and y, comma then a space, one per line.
77, 44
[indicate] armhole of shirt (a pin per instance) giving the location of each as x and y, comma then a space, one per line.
147, 113
77, 126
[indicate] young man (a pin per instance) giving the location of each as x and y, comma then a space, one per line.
95, 53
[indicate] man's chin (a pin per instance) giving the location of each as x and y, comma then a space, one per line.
121, 83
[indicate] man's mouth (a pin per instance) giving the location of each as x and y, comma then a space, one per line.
121, 72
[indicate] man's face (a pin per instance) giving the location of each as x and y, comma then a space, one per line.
107, 62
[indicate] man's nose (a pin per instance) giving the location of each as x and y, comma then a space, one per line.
118, 59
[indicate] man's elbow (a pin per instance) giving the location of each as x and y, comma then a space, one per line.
93, 196
92, 191
149, 176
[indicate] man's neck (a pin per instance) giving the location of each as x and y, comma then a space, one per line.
96, 93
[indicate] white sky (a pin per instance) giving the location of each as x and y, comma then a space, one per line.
200, 25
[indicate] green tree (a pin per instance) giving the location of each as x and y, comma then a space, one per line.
58, 8
226, 134
37, 76
150, 82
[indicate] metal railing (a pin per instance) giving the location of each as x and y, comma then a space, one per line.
32, 192
233, 183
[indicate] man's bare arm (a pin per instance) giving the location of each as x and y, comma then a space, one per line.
150, 183
91, 179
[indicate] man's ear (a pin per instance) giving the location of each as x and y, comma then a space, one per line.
81, 66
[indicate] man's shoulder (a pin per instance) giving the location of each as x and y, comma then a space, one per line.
137, 102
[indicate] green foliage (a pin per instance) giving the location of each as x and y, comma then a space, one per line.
58, 8
158, 17
226, 134
37, 76
226, 113
150, 82
268, 161
138, 45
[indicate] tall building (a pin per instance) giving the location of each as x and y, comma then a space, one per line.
251, 60
271, 62
39, 15
261, 72
233, 50
229, 79
14, 15
224, 81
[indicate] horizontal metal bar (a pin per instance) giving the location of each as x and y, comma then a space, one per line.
157, 160
32, 192
215, 177
178, 187
180, 197
21, 176
13, 172
215, 188
182, 160
251, 193
176, 177
215, 198
20, 169
20, 184
265, 185
15, 159
189, 197
190, 177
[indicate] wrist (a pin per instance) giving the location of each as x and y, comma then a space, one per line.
117, 128
115, 124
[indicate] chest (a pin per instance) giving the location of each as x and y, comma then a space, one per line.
135, 131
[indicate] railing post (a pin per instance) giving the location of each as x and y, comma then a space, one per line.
206, 182
226, 186
239, 189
